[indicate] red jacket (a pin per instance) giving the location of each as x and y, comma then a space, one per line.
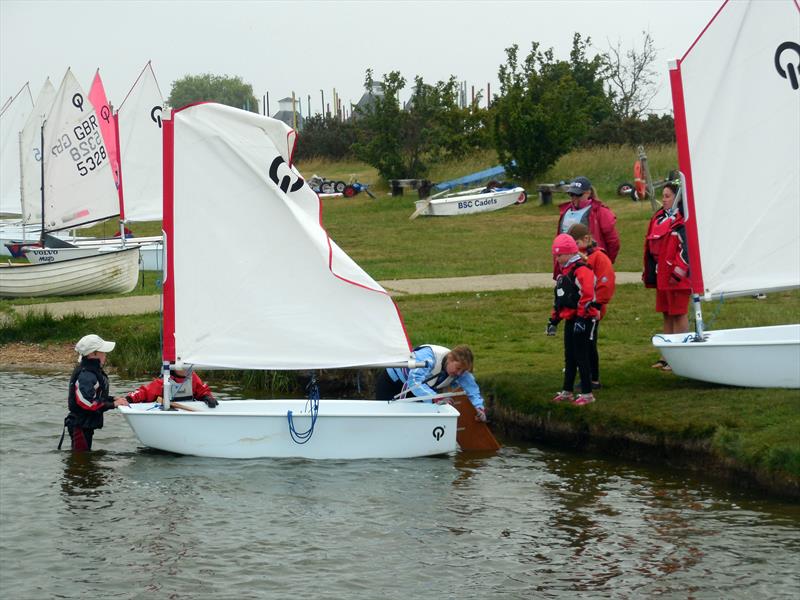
605, 278
666, 255
155, 389
585, 282
602, 226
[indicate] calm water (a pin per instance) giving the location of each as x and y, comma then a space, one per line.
124, 522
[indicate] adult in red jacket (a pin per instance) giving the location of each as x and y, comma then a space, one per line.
585, 207
666, 265
574, 303
604, 286
155, 390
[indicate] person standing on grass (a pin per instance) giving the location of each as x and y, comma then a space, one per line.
666, 265
88, 396
604, 285
575, 304
444, 369
585, 207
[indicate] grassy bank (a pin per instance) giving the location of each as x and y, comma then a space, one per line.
520, 368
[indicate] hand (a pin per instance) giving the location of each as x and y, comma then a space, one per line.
551, 328
120, 402
210, 401
481, 416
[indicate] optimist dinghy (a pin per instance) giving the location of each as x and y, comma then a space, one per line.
293, 300
737, 119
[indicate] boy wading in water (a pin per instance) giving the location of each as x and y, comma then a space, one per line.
89, 396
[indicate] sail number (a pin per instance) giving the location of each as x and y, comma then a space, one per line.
84, 145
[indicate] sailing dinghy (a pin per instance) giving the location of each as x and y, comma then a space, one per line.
292, 300
467, 202
737, 119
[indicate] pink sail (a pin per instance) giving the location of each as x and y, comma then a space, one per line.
97, 96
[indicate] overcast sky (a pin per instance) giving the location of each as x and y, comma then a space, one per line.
305, 46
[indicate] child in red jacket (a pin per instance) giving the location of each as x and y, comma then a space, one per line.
605, 283
155, 390
575, 304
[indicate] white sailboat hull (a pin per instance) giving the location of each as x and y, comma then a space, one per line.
748, 357
470, 203
151, 252
106, 273
345, 429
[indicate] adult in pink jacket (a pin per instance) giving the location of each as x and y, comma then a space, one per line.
585, 207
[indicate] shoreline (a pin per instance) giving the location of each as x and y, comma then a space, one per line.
575, 433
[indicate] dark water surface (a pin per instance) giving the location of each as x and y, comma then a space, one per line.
124, 522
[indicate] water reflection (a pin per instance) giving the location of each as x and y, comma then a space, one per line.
85, 480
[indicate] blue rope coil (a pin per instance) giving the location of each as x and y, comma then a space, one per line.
312, 406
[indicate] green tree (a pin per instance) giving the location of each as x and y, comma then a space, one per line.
546, 106
326, 137
405, 142
213, 88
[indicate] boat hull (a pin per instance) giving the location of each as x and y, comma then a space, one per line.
150, 255
103, 273
470, 204
748, 357
345, 429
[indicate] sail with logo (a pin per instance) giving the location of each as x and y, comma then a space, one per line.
292, 300
736, 99
77, 190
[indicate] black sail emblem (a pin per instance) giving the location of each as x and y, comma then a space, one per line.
155, 115
788, 53
284, 181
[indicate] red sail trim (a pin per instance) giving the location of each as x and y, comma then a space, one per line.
685, 164
168, 285
716, 14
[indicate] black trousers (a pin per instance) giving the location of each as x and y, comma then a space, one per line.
385, 388
594, 357
578, 336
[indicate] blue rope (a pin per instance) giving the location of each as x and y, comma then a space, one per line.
312, 406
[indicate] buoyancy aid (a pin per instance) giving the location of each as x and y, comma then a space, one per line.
567, 293
661, 225
81, 417
439, 355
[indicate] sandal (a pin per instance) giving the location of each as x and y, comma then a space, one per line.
659, 364
666, 367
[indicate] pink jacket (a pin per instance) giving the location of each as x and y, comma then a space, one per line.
602, 226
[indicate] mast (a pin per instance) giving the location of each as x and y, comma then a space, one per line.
41, 170
119, 176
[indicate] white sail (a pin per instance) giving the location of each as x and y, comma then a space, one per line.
78, 182
742, 131
288, 298
31, 156
139, 118
12, 120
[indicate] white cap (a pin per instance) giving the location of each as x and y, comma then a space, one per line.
93, 343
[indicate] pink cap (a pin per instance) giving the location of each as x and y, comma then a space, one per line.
564, 244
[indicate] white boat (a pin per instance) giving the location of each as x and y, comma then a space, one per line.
108, 273
150, 255
476, 200
737, 120
293, 300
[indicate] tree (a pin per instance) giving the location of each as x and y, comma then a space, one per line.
631, 77
403, 143
213, 88
326, 137
546, 106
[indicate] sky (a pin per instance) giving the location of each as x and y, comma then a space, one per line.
307, 47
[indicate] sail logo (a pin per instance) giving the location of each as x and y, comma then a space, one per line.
77, 101
285, 181
105, 113
788, 51
438, 432
155, 115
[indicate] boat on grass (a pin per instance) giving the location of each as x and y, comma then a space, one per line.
293, 300
475, 200
737, 121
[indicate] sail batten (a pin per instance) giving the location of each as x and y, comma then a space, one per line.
738, 125
285, 296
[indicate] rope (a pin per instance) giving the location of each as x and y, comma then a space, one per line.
312, 406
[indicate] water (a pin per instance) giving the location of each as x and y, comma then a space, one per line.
124, 522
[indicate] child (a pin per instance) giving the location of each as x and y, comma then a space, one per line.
154, 390
574, 303
605, 281
89, 397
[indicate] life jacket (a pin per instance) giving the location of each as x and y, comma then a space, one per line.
567, 294
87, 419
182, 390
661, 225
439, 356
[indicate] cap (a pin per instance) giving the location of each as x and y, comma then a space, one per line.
564, 244
93, 343
579, 185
